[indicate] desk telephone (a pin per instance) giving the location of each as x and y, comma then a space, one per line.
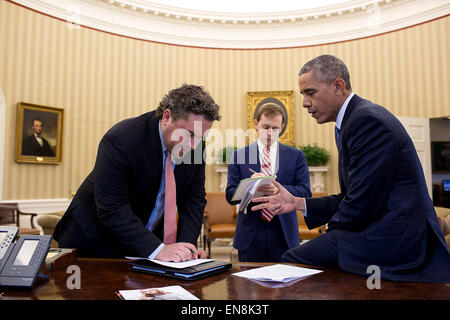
20, 262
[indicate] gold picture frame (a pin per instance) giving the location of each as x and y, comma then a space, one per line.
39, 133
285, 99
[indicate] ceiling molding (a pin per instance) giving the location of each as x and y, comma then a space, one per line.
154, 22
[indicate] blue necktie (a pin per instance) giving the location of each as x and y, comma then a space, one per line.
337, 132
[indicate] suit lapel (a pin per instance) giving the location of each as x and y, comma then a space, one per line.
281, 162
345, 122
154, 148
253, 157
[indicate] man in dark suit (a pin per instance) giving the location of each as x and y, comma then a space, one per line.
35, 144
125, 205
258, 236
383, 215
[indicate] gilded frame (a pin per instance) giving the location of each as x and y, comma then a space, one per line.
285, 99
47, 149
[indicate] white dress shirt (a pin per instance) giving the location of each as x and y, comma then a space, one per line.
273, 151
39, 140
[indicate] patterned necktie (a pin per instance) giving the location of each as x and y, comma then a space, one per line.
170, 203
337, 132
266, 169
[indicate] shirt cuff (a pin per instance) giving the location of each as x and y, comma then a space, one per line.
304, 212
155, 253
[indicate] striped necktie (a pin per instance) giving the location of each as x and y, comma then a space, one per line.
170, 203
266, 169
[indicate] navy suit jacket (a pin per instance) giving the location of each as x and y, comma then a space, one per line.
383, 215
292, 172
115, 201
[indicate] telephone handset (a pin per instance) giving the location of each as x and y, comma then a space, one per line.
20, 262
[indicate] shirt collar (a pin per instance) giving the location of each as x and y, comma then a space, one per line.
341, 113
261, 146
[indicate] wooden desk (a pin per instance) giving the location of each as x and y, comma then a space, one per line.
100, 278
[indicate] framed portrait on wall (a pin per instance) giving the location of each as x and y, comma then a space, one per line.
38, 133
285, 99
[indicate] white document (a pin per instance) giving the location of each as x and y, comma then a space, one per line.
277, 273
178, 265
162, 293
251, 184
247, 190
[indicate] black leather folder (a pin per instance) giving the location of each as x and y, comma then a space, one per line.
190, 273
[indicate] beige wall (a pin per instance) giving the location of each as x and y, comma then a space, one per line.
99, 79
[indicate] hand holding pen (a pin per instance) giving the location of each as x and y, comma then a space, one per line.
267, 189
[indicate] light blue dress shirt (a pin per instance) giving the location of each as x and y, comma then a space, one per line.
158, 210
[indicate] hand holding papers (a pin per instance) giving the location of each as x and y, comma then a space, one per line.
247, 189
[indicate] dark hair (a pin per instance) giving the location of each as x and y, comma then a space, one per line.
32, 122
187, 99
328, 68
269, 109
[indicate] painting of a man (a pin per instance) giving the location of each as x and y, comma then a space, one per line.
35, 144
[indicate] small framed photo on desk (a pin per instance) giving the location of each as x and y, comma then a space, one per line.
39, 131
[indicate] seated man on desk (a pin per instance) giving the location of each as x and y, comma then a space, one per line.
128, 204
260, 236
383, 215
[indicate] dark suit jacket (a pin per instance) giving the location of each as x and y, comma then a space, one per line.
383, 215
292, 172
115, 201
30, 147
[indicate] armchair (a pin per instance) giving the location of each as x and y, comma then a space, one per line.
304, 232
219, 219
10, 214
442, 213
48, 223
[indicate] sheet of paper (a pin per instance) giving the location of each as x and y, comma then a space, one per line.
277, 273
248, 196
276, 284
245, 184
178, 265
162, 293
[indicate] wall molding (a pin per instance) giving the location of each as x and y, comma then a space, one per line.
149, 21
41, 206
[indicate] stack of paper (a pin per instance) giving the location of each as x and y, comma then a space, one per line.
247, 190
278, 273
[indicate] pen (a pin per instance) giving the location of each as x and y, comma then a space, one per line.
194, 254
253, 171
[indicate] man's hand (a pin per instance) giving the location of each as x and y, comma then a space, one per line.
282, 202
266, 189
201, 254
181, 251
